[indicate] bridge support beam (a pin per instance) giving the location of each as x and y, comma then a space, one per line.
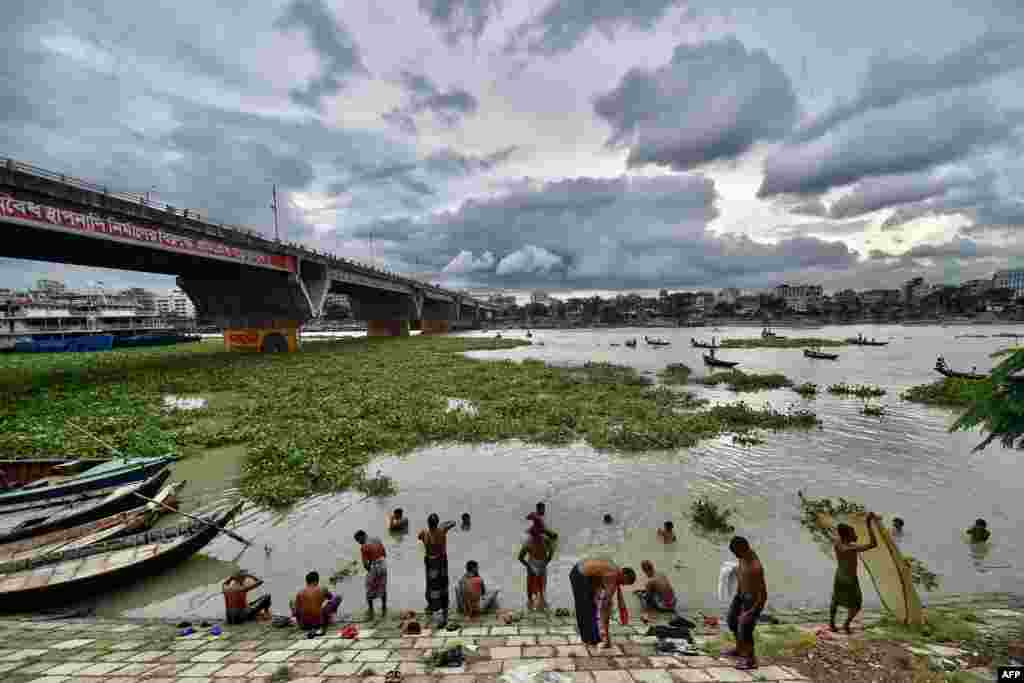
387, 328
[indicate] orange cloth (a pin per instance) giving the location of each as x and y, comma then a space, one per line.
372, 550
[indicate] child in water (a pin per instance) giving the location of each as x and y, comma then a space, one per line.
979, 532
398, 522
667, 534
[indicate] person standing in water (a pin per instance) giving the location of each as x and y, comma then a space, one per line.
435, 560
750, 599
979, 533
846, 588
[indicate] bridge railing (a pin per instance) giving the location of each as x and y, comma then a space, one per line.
140, 198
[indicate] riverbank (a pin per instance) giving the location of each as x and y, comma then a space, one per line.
82, 650
312, 421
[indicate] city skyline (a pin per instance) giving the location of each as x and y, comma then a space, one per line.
548, 144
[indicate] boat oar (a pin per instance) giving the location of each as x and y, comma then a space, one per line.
198, 519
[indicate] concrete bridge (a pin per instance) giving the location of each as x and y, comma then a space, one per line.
234, 276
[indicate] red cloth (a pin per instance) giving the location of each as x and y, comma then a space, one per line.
535, 584
372, 550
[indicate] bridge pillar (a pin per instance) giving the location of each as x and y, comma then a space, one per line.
387, 328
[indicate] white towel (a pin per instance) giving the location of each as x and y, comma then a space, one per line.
728, 581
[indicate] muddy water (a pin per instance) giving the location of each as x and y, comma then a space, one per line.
905, 464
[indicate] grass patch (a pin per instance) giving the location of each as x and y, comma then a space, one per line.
772, 641
860, 390
737, 380
948, 391
671, 401
675, 373
807, 389
940, 626
706, 514
774, 343
312, 420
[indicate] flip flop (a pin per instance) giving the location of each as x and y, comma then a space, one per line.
746, 665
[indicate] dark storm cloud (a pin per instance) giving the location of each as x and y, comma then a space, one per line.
891, 81
959, 248
582, 233
872, 194
887, 143
458, 19
339, 55
565, 23
711, 102
448, 106
449, 162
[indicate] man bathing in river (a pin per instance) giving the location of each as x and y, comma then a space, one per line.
667, 534
657, 593
846, 589
590, 580
750, 599
979, 533
237, 608
535, 555
398, 522
313, 606
373, 555
435, 560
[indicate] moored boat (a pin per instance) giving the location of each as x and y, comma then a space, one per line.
943, 369
715, 363
130, 521
702, 345
810, 353
110, 473
656, 342
34, 522
631, 343
63, 577
860, 341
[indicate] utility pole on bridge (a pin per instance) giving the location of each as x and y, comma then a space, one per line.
274, 207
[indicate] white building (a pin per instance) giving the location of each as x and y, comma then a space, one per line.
800, 297
541, 298
175, 302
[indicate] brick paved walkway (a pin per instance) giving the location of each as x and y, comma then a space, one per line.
123, 651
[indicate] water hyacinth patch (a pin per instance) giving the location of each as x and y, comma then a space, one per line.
311, 421
779, 343
859, 390
737, 380
807, 389
948, 391
675, 373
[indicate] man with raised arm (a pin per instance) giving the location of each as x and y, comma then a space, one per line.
846, 589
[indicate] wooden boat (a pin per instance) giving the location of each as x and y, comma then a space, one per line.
32, 523
702, 345
631, 343
131, 521
18, 472
656, 342
865, 342
71, 575
943, 369
768, 334
715, 363
110, 473
810, 353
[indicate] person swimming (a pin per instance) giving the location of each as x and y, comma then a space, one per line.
465, 521
979, 532
607, 518
667, 534
398, 522
897, 525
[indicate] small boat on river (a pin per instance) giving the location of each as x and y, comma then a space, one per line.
64, 577
860, 341
702, 345
715, 363
811, 353
122, 523
14, 527
631, 343
656, 342
943, 369
768, 334
111, 473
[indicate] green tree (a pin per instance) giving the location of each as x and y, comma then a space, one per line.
1000, 408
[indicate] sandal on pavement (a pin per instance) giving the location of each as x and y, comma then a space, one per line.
747, 665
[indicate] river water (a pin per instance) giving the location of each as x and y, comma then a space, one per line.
905, 464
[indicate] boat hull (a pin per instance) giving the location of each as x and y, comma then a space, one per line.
64, 519
87, 481
23, 592
821, 356
715, 363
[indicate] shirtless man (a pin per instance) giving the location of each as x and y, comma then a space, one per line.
539, 553
588, 579
846, 589
657, 593
751, 596
667, 534
237, 608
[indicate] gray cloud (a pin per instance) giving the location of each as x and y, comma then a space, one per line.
891, 81
711, 102
339, 54
565, 23
958, 248
888, 142
812, 207
824, 228
459, 19
449, 162
449, 107
872, 194
582, 233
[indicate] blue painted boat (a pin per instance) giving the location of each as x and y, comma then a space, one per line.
92, 342
112, 473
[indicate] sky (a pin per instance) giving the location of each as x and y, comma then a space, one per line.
563, 145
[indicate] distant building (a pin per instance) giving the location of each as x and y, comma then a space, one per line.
729, 295
175, 302
1009, 279
800, 297
504, 302
704, 301
748, 304
976, 287
50, 287
880, 297
847, 298
541, 298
